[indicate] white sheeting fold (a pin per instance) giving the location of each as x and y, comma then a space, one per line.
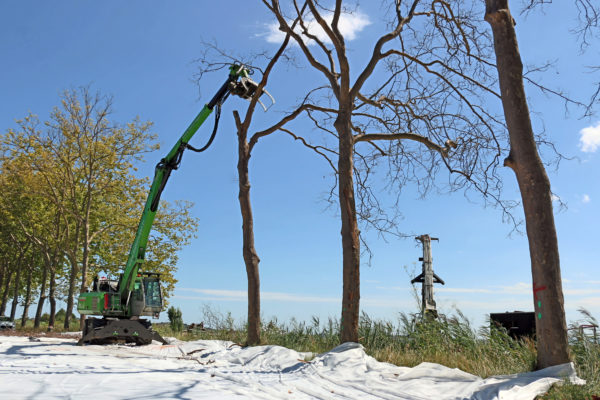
57, 369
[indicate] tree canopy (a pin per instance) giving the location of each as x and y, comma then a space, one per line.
72, 196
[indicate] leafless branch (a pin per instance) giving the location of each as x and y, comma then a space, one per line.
285, 28
317, 149
443, 151
377, 55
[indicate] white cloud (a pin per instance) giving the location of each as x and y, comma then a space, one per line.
581, 292
554, 197
589, 302
497, 297
518, 288
493, 305
218, 293
349, 25
445, 289
241, 295
586, 198
387, 303
589, 139
461, 290
296, 298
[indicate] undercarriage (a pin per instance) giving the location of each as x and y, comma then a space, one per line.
109, 331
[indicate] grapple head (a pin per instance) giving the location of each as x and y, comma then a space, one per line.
246, 87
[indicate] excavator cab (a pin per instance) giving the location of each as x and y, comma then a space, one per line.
146, 298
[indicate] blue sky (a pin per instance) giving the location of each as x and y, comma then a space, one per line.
143, 52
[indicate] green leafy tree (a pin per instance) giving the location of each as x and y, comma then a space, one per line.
175, 319
102, 154
33, 212
77, 173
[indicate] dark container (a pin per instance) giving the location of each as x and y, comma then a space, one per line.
519, 324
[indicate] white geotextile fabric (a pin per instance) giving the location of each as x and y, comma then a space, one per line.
58, 369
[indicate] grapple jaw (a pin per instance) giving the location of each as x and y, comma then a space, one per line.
246, 87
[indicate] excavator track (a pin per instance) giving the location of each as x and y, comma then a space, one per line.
112, 331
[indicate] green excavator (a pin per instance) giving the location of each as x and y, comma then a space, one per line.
120, 303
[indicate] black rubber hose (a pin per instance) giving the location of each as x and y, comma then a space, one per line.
213, 134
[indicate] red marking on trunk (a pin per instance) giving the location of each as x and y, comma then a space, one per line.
537, 289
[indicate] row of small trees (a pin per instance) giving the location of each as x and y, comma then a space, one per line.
71, 202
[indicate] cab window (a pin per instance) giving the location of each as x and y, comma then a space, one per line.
152, 289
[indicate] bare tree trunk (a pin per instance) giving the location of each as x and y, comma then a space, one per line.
85, 260
27, 297
551, 327
52, 300
13, 309
2, 274
349, 232
72, 256
71, 294
6, 291
251, 258
40, 305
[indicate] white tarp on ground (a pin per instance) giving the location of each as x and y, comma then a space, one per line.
58, 369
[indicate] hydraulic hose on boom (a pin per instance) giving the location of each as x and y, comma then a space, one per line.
161, 175
136, 294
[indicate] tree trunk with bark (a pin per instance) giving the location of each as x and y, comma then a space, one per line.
6, 289
27, 301
52, 300
86, 257
13, 308
349, 231
72, 286
524, 160
3, 269
40, 305
71, 254
251, 258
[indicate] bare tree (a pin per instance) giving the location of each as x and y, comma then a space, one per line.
245, 147
246, 143
430, 101
534, 185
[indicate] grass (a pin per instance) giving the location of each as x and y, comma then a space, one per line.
585, 352
58, 326
450, 341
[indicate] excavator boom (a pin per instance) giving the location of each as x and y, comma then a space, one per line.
137, 293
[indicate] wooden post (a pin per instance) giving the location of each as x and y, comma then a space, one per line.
427, 277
